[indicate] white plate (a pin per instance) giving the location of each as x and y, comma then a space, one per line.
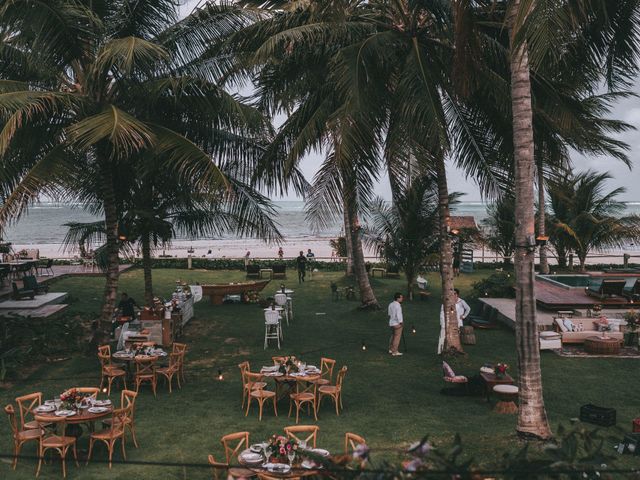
102, 403
49, 402
65, 413
98, 409
277, 467
48, 407
250, 457
309, 464
274, 374
320, 451
256, 448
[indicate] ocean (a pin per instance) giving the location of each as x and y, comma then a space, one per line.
43, 226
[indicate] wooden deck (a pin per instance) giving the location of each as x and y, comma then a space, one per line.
555, 297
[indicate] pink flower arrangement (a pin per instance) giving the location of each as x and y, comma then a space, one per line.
280, 446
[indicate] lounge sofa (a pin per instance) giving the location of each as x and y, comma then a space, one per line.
605, 287
578, 337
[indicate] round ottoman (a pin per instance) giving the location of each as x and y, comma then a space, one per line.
467, 335
507, 396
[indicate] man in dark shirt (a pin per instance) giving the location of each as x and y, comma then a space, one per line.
301, 263
126, 306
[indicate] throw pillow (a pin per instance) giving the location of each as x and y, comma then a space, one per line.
569, 325
448, 371
561, 325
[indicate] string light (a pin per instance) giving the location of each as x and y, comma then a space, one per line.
104, 390
364, 346
413, 329
220, 376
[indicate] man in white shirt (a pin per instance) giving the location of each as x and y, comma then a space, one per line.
462, 311
395, 323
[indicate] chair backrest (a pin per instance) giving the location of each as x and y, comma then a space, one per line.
279, 267
118, 422
29, 282
233, 444
88, 391
326, 368
60, 423
11, 414
251, 379
303, 433
26, 403
447, 371
613, 287
105, 360
351, 442
174, 361
179, 347
305, 385
340, 378
280, 299
145, 366
271, 316
279, 360
105, 350
244, 368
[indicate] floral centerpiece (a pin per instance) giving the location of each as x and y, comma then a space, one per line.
633, 323
500, 370
281, 449
70, 398
289, 365
602, 325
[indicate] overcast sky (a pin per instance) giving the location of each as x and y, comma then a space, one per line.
627, 110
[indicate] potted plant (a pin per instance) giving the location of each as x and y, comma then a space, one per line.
633, 324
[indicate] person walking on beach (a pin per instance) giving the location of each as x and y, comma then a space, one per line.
310, 254
280, 253
395, 323
301, 264
462, 311
247, 259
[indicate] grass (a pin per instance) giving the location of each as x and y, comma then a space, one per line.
390, 401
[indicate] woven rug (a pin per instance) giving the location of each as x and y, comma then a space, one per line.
577, 350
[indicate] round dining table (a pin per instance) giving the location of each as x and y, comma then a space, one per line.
285, 382
297, 470
82, 415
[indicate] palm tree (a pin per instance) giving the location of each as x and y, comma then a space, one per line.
405, 231
587, 218
500, 225
98, 83
155, 207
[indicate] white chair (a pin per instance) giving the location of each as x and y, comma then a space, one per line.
290, 306
272, 329
281, 301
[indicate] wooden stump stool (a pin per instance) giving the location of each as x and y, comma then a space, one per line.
468, 336
507, 395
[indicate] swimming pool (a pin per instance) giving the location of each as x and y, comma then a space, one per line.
567, 281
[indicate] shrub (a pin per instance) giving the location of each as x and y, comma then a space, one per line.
498, 285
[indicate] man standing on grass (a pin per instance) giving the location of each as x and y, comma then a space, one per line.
301, 264
395, 323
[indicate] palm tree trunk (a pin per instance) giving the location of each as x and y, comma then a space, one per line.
532, 416
347, 237
112, 247
544, 261
367, 297
452, 344
146, 267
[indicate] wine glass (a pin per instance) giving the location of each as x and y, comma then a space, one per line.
291, 454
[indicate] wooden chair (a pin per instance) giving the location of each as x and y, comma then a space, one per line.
180, 348
127, 401
326, 371
449, 376
26, 404
306, 393
351, 442
259, 394
333, 391
60, 443
110, 372
298, 432
217, 468
146, 372
20, 436
234, 444
171, 370
244, 368
110, 435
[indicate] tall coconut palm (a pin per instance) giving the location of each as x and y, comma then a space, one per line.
586, 217
87, 90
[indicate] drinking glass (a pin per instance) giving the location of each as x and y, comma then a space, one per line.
291, 454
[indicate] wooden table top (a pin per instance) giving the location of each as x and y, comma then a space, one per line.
491, 378
82, 416
295, 472
597, 339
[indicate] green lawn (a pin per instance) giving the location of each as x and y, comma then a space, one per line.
390, 401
